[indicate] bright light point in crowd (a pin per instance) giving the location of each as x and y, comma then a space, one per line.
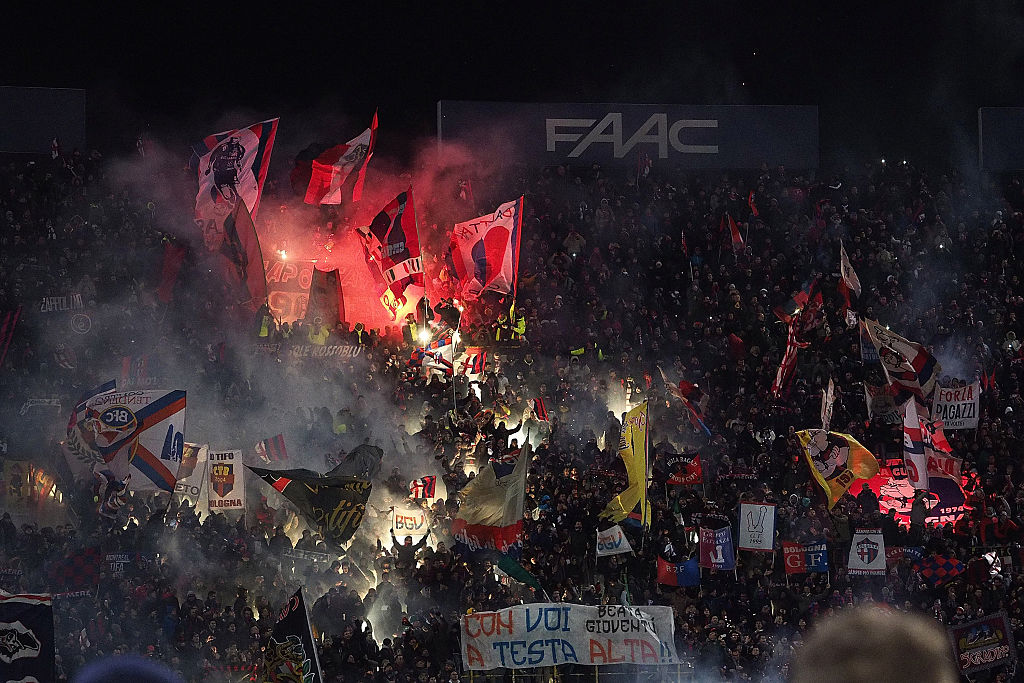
456, 337
904, 162
883, 161
424, 335
284, 254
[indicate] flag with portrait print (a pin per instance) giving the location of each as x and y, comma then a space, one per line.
483, 254
27, 642
836, 461
392, 249
334, 174
233, 164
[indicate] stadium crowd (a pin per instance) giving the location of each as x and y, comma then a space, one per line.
621, 277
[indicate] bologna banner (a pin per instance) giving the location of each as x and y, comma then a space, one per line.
958, 407
685, 136
550, 634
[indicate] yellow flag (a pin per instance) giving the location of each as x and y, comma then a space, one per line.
836, 461
632, 502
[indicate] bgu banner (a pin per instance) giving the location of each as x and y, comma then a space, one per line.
957, 407
226, 486
549, 634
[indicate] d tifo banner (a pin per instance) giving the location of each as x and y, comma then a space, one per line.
226, 487
957, 407
309, 350
983, 644
550, 634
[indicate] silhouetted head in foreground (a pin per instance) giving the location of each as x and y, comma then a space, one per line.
129, 668
869, 645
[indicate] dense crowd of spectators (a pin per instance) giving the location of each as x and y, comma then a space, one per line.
621, 278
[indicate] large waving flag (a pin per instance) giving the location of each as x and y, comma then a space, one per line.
836, 461
906, 364
483, 254
291, 652
229, 236
692, 398
392, 248
233, 164
491, 509
333, 504
631, 505
334, 174
128, 433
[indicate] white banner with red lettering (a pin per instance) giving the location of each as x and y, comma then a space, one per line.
551, 634
957, 407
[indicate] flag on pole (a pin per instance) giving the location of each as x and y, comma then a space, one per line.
848, 281
678, 574
272, 449
479, 363
914, 456
716, 550
490, 512
233, 246
334, 175
828, 399
836, 461
233, 165
483, 254
906, 364
728, 222
392, 249
290, 654
632, 505
752, 204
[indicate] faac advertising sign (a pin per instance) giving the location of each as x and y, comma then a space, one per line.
687, 136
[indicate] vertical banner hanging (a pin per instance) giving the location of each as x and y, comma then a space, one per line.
227, 481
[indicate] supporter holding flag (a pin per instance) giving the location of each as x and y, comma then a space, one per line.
836, 461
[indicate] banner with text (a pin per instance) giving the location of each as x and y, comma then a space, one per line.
226, 487
550, 634
958, 407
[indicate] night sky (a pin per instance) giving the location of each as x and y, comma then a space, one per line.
890, 78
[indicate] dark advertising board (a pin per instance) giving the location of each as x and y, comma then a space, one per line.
685, 136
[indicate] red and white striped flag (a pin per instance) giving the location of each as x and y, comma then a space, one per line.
788, 364
424, 487
734, 232
337, 175
272, 449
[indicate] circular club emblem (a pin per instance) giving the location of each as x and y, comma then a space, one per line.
116, 423
81, 323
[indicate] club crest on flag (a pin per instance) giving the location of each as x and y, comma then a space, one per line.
223, 478
867, 550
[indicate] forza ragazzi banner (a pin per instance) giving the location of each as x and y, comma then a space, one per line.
687, 136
